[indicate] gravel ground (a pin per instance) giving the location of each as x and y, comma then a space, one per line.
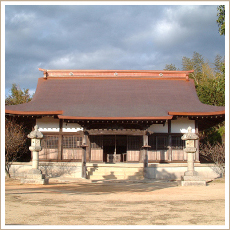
112, 203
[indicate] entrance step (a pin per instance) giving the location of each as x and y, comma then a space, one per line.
115, 171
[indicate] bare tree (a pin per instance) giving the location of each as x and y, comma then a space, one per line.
214, 153
15, 140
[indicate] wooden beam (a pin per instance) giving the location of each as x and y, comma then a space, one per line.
116, 132
197, 142
60, 150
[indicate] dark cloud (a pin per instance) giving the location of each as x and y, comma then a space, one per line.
105, 37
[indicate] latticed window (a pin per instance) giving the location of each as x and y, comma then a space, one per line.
177, 142
72, 142
162, 142
72, 147
152, 142
134, 142
158, 142
49, 142
49, 146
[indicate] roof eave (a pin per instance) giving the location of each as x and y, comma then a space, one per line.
197, 113
14, 112
114, 118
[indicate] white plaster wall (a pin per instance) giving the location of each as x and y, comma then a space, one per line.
159, 128
48, 124
181, 125
71, 127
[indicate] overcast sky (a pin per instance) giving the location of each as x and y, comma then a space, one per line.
105, 37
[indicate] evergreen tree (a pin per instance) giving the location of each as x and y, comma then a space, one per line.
17, 96
170, 67
221, 19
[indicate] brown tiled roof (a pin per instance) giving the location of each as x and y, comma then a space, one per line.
115, 95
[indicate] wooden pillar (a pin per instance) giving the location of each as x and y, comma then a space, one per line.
60, 140
145, 149
87, 149
197, 143
169, 141
84, 146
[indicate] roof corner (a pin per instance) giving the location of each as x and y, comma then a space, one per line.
44, 72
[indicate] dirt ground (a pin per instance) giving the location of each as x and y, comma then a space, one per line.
114, 203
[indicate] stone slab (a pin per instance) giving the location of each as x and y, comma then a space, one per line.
191, 173
34, 176
34, 171
191, 178
193, 183
35, 181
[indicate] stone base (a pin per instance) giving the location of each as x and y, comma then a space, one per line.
34, 176
191, 178
191, 173
35, 181
193, 183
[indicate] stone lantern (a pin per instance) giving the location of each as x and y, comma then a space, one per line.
35, 176
35, 147
190, 177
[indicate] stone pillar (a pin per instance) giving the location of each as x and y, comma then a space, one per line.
35, 159
190, 177
145, 150
35, 176
191, 171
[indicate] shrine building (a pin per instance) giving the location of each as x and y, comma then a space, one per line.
119, 113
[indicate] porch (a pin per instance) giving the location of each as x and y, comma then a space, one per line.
119, 171
163, 148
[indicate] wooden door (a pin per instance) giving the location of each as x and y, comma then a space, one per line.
96, 148
134, 144
133, 156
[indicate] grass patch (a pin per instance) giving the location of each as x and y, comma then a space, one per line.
218, 180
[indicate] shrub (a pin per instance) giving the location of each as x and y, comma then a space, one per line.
214, 153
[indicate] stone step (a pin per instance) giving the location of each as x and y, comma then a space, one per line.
112, 177
107, 177
34, 176
101, 173
34, 181
115, 173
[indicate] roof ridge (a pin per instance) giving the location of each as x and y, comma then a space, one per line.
157, 74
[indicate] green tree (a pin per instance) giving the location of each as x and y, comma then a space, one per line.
211, 89
219, 64
170, 67
221, 19
17, 96
212, 92
209, 81
195, 63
